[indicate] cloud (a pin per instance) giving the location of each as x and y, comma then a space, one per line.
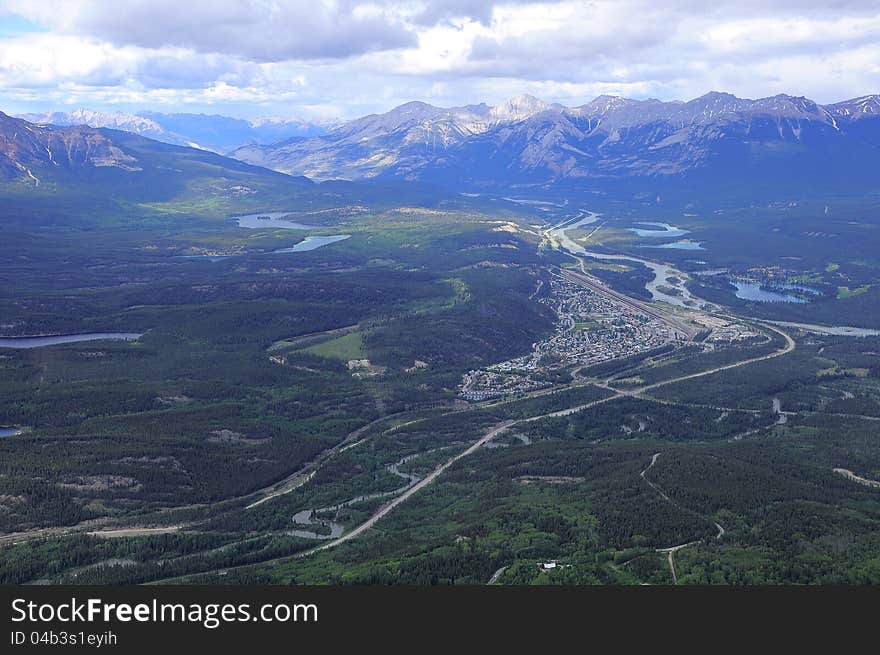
768, 36
363, 56
191, 71
45, 60
259, 30
574, 42
609, 40
481, 11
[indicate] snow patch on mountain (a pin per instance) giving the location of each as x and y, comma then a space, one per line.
530, 140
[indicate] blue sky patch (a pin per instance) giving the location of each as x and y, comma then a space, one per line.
12, 26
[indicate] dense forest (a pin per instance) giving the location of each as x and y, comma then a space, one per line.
321, 384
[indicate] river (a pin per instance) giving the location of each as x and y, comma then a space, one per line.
307, 518
661, 271
834, 330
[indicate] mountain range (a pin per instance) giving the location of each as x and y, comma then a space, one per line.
52, 172
101, 164
718, 143
716, 138
207, 132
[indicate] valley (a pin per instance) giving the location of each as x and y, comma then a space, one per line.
214, 373
249, 434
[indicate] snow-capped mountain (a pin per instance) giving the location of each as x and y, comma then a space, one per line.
518, 108
116, 121
857, 108
224, 133
101, 164
206, 132
27, 147
408, 136
528, 141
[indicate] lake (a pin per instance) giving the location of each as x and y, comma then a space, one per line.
38, 342
666, 231
258, 221
678, 245
753, 291
313, 243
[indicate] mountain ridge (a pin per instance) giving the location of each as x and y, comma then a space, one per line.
528, 141
103, 166
212, 132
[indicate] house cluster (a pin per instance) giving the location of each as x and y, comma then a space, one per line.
590, 328
723, 331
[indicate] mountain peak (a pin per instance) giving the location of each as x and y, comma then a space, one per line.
610, 98
414, 110
133, 123
607, 137
518, 108
604, 103
523, 99
27, 147
861, 107
92, 118
413, 105
717, 96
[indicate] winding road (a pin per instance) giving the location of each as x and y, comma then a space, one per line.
503, 427
849, 475
671, 550
304, 474
402, 498
431, 477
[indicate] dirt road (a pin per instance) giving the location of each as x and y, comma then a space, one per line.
857, 478
499, 429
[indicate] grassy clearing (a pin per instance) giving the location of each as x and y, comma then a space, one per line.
349, 346
846, 292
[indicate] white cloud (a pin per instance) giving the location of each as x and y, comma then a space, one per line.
359, 56
261, 30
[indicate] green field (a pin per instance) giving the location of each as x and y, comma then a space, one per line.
345, 348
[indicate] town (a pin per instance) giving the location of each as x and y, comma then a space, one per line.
591, 328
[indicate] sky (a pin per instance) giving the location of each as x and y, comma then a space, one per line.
334, 59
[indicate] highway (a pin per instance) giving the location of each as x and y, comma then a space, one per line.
435, 474
503, 427
304, 474
402, 498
